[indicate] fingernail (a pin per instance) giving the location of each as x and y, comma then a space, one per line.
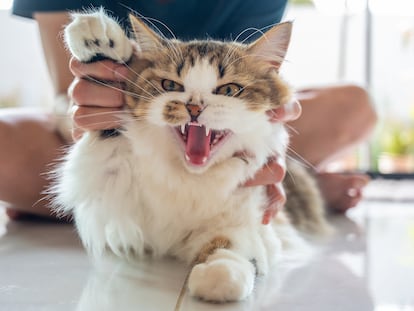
267, 216
293, 110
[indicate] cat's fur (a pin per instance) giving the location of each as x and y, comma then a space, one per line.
147, 191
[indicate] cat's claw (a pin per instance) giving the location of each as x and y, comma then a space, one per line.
97, 35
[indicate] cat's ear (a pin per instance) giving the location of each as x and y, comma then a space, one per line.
147, 39
272, 46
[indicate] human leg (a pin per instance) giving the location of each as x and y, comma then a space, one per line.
342, 191
334, 119
29, 146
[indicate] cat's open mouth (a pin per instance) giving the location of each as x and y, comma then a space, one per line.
200, 142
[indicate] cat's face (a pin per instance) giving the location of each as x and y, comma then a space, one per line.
207, 94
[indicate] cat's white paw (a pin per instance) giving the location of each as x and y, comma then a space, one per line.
92, 35
124, 240
225, 276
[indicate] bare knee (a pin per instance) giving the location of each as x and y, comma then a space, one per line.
357, 113
27, 149
333, 120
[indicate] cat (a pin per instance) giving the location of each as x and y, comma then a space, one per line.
168, 183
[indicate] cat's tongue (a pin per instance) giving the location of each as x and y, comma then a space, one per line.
197, 149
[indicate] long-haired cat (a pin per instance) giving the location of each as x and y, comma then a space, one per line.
195, 129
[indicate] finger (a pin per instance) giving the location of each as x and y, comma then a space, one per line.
77, 133
273, 172
103, 70
277, 197
86, 93
288, 112
92, 118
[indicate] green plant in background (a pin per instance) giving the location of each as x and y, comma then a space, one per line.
392, 148
393, 142
10, 100
397, 138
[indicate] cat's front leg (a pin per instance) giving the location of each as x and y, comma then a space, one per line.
228, 271
224, 276
91, 36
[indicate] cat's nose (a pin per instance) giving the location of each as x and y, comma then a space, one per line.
194, 111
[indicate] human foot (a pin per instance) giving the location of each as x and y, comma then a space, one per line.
341, 191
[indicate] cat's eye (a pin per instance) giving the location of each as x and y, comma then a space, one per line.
171, 86
229, 89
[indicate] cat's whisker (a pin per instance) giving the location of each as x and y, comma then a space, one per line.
292, 129
144, 81
134, 95
254, 32
120, 114
230, 53
105, 113
232, 50
128, 80
274, 58
236, 44
291, 175
177, 53
242, 89
122, 90
152, 22
261, 31
171, 44
237, 59
131, 81
298, 158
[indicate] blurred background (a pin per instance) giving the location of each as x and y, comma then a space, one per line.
366, 42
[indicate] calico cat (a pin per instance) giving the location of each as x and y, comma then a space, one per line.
195, 129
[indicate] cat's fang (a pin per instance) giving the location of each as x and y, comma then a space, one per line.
202, 162
207, 131
183, 129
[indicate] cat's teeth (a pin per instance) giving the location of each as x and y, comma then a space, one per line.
183, 129
207, 131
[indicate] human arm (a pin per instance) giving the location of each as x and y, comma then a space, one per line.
30, 143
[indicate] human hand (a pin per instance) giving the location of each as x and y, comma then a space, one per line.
288, 112
97, 95
271, 175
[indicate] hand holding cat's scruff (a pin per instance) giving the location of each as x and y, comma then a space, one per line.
95, 104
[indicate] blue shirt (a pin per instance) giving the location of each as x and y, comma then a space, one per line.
187, 19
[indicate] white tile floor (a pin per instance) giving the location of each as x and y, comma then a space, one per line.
368, 265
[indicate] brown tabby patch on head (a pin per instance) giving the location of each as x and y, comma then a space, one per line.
262, 87
253, 67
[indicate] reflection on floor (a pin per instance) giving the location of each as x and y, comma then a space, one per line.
367, 265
